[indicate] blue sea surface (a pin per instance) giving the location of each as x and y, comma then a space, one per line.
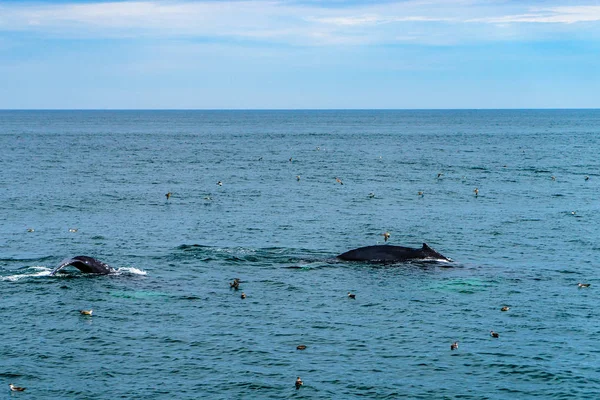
167, 324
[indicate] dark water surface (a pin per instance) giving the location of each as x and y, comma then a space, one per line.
167, 324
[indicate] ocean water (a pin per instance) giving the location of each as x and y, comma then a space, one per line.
168, 325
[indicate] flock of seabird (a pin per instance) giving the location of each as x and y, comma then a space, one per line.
235, 284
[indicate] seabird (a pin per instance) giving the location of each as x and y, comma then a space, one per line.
299, 383
587, 178
168, 195
86, 312
440, 175
73, 230
582, 285
235, 284
243, 296
476, 191
301, 347
30, 230
291, 159
298, 178
220, 183
420, 193
505, 308
454, 346
371, 195
16, 388
553, 177
338, 180
494, 334
386, 236
351, 295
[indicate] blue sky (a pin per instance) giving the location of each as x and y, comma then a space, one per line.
299, 54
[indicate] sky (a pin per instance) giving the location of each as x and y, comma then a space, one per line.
299, 54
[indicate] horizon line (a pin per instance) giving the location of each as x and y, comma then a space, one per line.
302, 109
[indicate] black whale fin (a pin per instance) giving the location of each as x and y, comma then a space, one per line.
431, 253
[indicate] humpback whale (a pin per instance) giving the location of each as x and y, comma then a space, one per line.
389, 254
85, 264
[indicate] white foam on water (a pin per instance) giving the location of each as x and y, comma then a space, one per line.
131, 271
41, 271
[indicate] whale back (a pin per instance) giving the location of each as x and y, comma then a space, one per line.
389, 253
85, 264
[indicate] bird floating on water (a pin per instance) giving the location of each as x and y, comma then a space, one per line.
420, 193
16, 388
553, 177
494, 334
583, 285
301, 347
439, 175
168, 195
338, 180
235, 284
454, 346
371, 195
299, 383
220, 183
476, 191
351, 295
73, 230
505, 308
30, 230
298, 178
587, 178
386, 236
86, 312
243, 296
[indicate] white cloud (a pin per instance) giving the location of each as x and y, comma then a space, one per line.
292, 23
554, 15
